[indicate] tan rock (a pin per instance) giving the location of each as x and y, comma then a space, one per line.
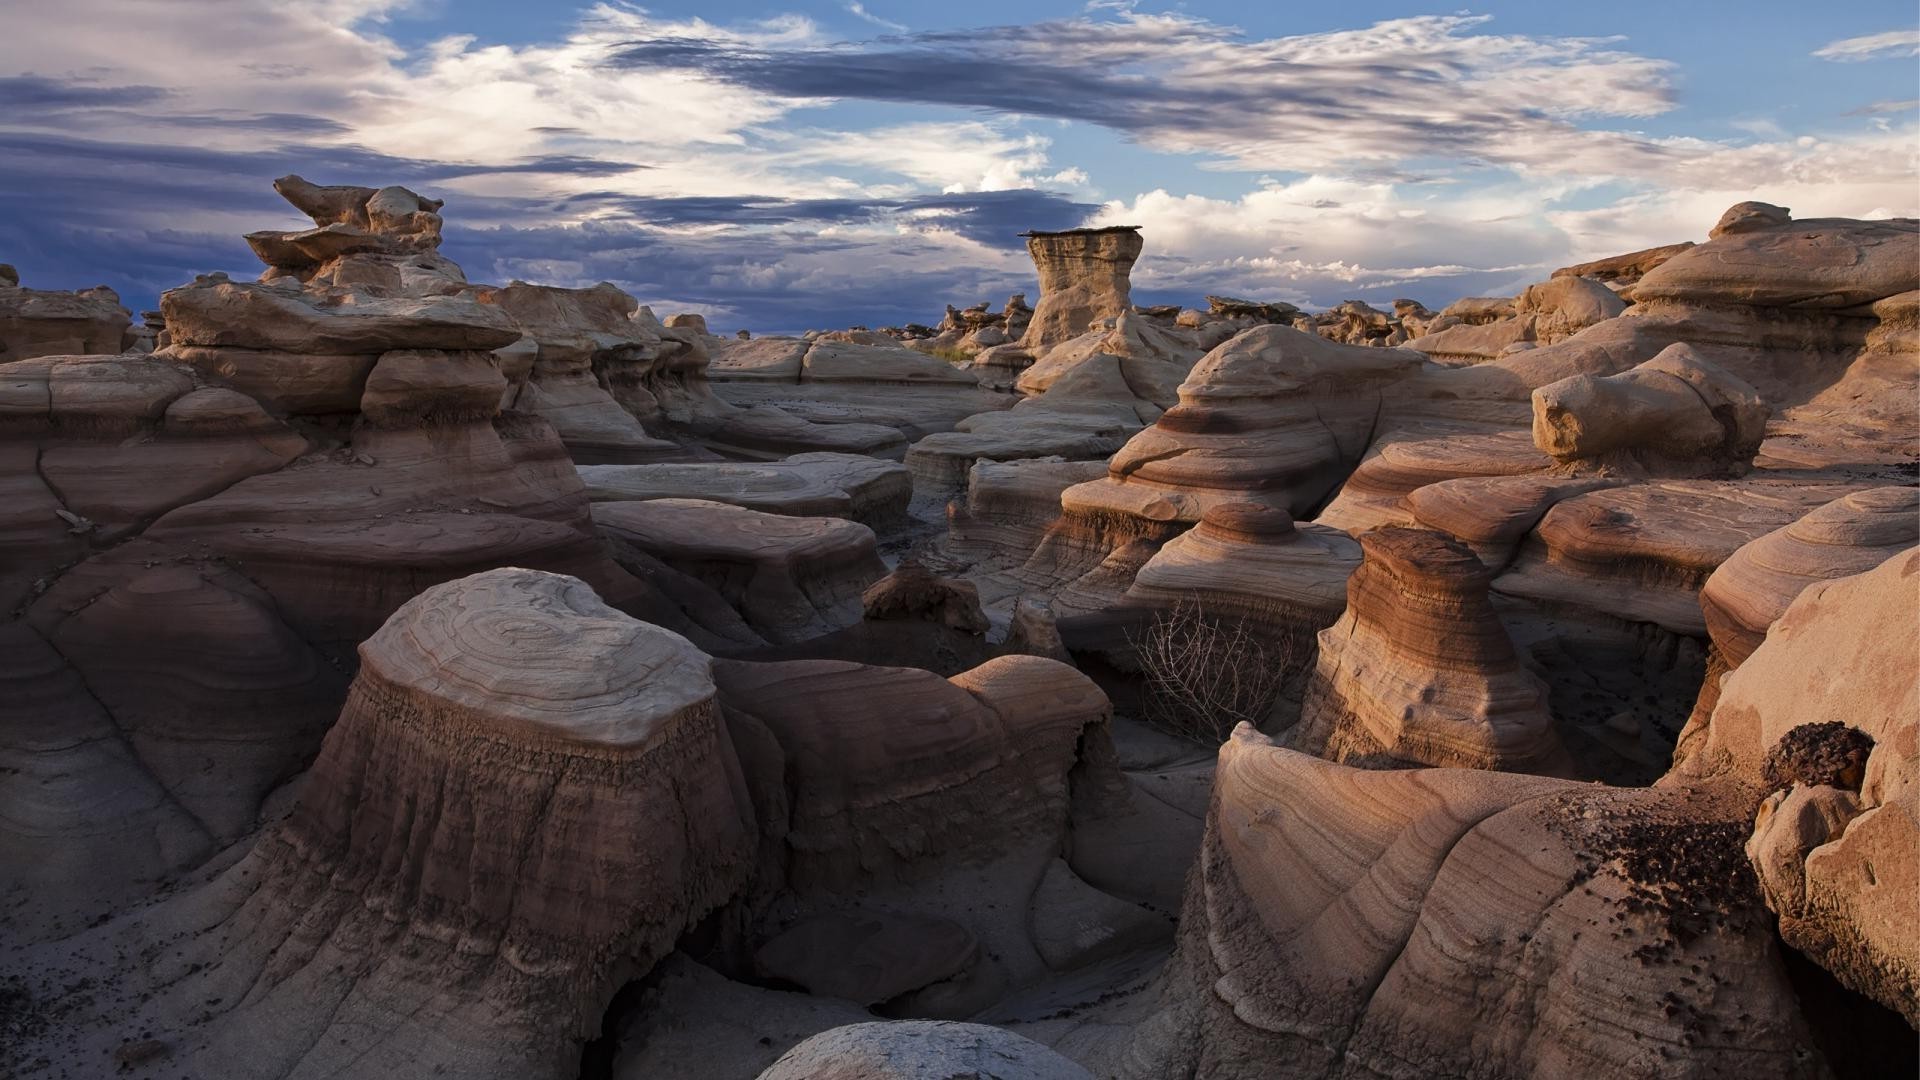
1084, 278
229, 313
1675, 415
1419, 670
424, 387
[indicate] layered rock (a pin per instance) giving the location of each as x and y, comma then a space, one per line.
868, 490
790, 578
527, 799
890, 767
1675, 415
1752, 588
1833, 846
387, 238
39, 322
857, 389
1084, 278
1387, 922
1543, 314
1619, 271
1419, 669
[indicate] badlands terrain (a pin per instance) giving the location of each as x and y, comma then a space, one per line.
405, 677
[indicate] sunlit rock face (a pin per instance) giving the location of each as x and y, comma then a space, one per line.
1084, 278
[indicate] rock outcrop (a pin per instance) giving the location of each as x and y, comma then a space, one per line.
1084, 278
39, 322
921, 1050
1419, 670
1675, 415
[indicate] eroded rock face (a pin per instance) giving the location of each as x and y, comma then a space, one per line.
527, 799
1337, 916
1419, 670
38, 322
1835, 860
1084, 277
1675, 415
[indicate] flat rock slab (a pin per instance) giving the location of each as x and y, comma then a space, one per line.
868, 956
805, 485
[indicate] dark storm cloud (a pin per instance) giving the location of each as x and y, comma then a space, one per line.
1423, 87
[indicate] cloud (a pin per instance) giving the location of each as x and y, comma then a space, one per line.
1890, 44
859, 11
1427, 86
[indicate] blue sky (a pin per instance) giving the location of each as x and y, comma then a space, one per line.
826, 163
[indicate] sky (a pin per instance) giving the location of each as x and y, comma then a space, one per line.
827, 163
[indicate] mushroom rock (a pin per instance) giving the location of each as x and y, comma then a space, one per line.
1243, 563
1084, 278
1385, 921
921, 1050
863, 489
791, 578
526, 800
1274, 416
893, 772
1492, 515
1675, 415
1619, 271
913, 592
40, 322
1419, 669
1833, 844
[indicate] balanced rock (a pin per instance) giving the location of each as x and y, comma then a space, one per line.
1084, 278
1675, 415
1419, 670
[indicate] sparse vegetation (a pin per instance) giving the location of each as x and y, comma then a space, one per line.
1205, 675
955, 357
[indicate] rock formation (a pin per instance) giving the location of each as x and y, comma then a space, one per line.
1083, 279
38, 322
1419, 670
1675, 415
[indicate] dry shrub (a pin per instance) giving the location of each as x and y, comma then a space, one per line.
1205, 675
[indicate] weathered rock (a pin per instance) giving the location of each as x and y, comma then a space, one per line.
1419, 670
921, 1050
914, 592
1619, 271
867, 957
1084, 278
791, 578
1338, 916
863, 489
215, 312
36, 322
1675, 415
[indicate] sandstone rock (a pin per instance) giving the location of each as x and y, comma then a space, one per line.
1419, 670
1075, 924
1337, 914
921, 1050
214, 312
301, 383
1758, 257
1835, 866
1748, 217
914, 592
791, 578
1850, 535
889, 769
1619, 271
1675, 415
421, 387
852, 486
1084, 277
36, 322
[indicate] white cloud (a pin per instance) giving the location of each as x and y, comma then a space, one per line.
1888, 44
859, 10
